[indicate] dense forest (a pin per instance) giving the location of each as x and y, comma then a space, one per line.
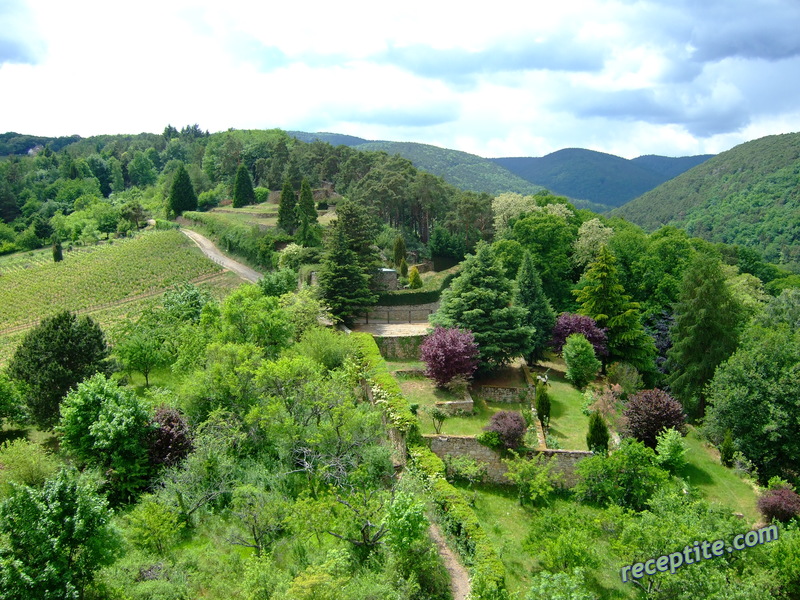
238, 447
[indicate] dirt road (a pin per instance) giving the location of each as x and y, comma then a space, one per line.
211, 251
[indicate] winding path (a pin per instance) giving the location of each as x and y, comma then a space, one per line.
212, 252
459, 576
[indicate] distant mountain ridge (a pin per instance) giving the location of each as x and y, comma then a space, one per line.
597, 176
749, 195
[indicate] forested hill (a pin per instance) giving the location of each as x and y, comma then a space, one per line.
749, 195
597, 176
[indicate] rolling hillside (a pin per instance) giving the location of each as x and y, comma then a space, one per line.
749, 195
597, 176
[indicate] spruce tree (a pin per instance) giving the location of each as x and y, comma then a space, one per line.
182, 196
480, 300
308, 233
344, 284
360, 230
603, 298
287, 215
243, 194
306, 204
541, 316
707, 320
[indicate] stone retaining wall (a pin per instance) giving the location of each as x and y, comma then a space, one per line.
457, 407
464, 445
399, 347
414, 313
493, 393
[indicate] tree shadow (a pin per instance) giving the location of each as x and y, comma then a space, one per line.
9, 435
696, 476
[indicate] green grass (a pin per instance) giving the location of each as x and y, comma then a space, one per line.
568, 424
404, 365
716, 482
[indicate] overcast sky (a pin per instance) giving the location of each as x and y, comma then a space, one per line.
672, 77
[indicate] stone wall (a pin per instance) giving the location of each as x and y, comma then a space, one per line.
457, 407
414, 313
464, 445
493, 393
399, 347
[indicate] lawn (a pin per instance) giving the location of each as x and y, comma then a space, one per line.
718, 483
404, 365
568, 424
420, 390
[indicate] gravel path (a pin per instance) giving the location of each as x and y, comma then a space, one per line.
393, 329
459, 577
211, 251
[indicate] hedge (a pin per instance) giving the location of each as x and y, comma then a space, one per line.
409, 297
488, 572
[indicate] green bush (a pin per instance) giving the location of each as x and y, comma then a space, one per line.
582, 365
670, 450
597, 436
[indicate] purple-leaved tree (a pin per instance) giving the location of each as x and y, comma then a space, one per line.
569, 323
449, 353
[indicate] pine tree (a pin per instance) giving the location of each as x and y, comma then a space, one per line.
344, 284
603, 298
541, 315
306, 204
182, 196
479, 300
243, 194
707, 319
287, 215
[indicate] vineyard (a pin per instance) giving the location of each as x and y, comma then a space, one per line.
98, 276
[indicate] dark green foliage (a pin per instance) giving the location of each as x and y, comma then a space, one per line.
582, 365
403, 268
726, 449
597, 436
627, 477
603, 298
287, 215
56, 538
543, 406
306, 202
706, 331
479, 300
58, 251
108, 426
649, 412
399, 251
360, 229
10, 401
243, 194
344, 284
182, 196
742, 196
52, 358
541, 316
444, 243
754, 395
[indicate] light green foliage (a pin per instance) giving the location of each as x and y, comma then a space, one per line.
603, 298
509, 206
509, 254
107, 426
325, 346
10, 400
304, 311
141, 170
153, 526
754, 394
247, 316
706, 331
579, 356
465, 468
144, 346
56, 538
627, 477
671, 451
25, 463
438, 416
185, 303
568, 550
592, 236
261, 513
277, 283
559, 586
534, 477
479, 300
541, 316
414, 280
263, 579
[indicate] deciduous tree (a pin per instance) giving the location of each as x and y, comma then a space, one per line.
449, 353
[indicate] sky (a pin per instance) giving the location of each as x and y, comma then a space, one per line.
672, 77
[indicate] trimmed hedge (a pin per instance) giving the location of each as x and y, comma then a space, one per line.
488, 572
384, 386
410, 297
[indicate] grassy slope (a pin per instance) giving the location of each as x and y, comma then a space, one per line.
747, 195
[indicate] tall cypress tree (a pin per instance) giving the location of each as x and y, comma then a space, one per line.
399, 250
707, 320
243, 194
287, 216
344, 284
306, 204
603, 298
541, 315
182, 196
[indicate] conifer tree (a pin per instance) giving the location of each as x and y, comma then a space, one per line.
597, 436
58, 251
414, 280
479, 300
707, 319
287, 215
603, 298
344, 284
541, 316
182, 196
308, 233
360, 230
399, 250
306, 204
243, 194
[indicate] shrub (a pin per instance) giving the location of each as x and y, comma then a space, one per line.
509, 426
449, 353
543, 406
171, 441
597, 436
569, 323
490, 439
582, 365
25, 463
670, 450
439, 417
726, 449
414, 280
534, 478
404, 268
278, 283
626, 377
779, 504
649, 412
